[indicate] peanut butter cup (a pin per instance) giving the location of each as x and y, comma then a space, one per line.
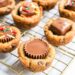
27, 14
36, 49
6, 6
9, 36
59, 31
35, 54
67, 9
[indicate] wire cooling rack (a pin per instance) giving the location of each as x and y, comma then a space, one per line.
10, 64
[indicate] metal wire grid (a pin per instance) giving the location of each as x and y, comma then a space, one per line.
10, 64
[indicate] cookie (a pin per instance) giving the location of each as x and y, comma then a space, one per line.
36, 54
28, 14
59, 31
9, 38
67, 9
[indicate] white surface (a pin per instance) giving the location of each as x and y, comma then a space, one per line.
2, 73
70, 69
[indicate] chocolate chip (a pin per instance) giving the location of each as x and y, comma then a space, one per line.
47, 64
38, 3
40, 63
62, 41
49, 55
13, 46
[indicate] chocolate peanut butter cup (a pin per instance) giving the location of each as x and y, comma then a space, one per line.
35, 54
6, 34
27, 14
60, 26
6, 6
9, 36
59, 31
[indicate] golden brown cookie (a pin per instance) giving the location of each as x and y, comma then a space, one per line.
6, 6
36, 54
67, 9
46, 4
59, 31
9, 38
27, 14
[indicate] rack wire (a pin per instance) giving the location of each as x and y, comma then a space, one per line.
10, 64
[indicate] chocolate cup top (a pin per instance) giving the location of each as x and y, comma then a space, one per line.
70, 5
36, 49
60, 26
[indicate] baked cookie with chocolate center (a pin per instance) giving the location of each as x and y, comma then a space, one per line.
67, 9
36, 54
27, 14
59, 31
46, 4
9, 38
3, 3
6, 6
